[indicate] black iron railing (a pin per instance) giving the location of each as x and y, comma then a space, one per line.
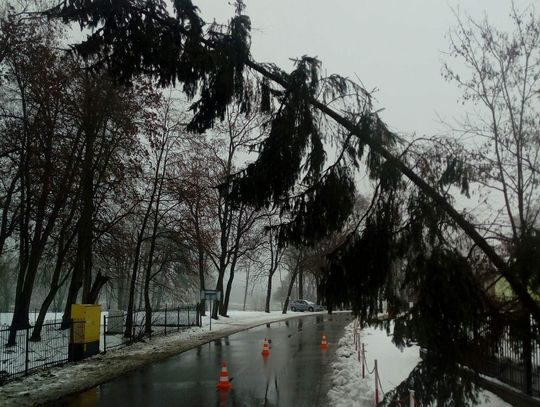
163, 321
24, 356
515, 357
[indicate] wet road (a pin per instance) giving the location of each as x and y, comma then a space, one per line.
296, 373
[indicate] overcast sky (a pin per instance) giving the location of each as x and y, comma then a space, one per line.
395, 46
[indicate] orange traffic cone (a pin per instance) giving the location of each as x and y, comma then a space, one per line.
266, 348
324, 344
224, 383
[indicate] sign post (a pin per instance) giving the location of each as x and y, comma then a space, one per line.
212, 296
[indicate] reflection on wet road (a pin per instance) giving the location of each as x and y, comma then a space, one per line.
294, 374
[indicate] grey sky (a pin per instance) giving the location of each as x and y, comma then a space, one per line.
393, 45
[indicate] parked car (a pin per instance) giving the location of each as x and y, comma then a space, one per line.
305, 305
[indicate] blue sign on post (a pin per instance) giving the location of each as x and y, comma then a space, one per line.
212, 296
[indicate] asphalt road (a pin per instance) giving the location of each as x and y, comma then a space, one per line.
296, 373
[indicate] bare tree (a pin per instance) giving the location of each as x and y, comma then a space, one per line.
498, 141
238, 132
160, 138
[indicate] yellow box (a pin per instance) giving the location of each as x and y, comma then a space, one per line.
86, 322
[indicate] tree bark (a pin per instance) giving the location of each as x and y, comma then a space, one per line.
201, 279
83, 264
219, 287
97, 285
268, 293
290, 288
246, 288
300, 284
225, 305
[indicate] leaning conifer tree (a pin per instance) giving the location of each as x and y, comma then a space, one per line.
402, 241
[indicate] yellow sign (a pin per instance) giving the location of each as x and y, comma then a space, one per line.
86, 322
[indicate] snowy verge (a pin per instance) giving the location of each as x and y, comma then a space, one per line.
51, 384
348, 389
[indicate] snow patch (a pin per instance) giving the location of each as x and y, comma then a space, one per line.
394, 365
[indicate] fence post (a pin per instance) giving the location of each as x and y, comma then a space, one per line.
133, 326
104, 333
363, 362
376, 384
188, 324
26, 358
165, 319
178, 319
527, 354
411, 398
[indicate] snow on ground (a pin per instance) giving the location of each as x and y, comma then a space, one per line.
52, 349
348, 387
6, 317
51, 384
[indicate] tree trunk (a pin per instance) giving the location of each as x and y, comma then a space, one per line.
82, 273
38, 325
319, 290
147, 307
300, 284
71, 298
133, 281
289, 290
84, 249
120, 288
20, 319
159, 299
225, 305
246, 288
219, 287
201, 276
55, 287
268, 293
97, 285
7, 228
22, 302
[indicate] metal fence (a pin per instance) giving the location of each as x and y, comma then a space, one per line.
515, 358
164, 321
25, 355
